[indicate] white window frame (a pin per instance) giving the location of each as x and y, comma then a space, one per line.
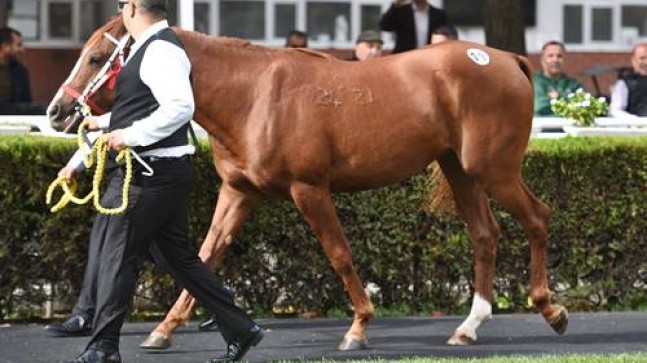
274, 40
46, 40
616, 43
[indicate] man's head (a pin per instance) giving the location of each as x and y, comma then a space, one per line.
443, 33
139, 14
10, 43
368, 45
639, 59
297, 39
552, 59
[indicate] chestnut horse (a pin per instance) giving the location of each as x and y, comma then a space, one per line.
298, 124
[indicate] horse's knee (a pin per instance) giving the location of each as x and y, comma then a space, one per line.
212, 253
342, 262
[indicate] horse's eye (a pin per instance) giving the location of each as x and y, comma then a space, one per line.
95, 59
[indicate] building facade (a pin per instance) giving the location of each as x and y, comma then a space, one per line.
595, 31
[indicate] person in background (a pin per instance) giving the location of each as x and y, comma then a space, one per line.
629, 96
368, 45
413, 23
551, 82
15, 91
297, 39
443, 33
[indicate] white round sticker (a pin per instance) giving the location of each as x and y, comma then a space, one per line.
478, 56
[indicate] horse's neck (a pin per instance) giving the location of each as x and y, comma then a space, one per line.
224, 78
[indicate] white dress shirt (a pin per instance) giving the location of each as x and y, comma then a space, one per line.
165, 69
620, 100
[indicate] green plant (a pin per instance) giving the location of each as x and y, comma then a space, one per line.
580, 106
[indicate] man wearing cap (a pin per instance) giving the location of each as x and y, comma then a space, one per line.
368, 45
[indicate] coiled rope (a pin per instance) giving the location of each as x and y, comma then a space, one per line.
98, 153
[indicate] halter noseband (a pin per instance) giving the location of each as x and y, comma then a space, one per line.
108, 73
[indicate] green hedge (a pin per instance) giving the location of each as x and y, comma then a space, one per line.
598, 251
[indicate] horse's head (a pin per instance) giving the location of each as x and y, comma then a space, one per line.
91, 82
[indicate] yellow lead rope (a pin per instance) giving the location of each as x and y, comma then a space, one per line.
98, 153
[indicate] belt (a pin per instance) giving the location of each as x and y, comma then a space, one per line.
162, 159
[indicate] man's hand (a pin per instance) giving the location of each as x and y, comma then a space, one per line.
68, 172
92, 123
116, 140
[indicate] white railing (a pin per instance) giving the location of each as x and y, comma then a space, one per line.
542, 127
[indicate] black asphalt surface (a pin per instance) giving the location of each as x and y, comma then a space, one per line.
389, 338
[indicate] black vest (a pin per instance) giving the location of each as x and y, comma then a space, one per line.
637, 102
135, 101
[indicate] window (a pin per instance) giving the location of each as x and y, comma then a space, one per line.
634, 19
328, 21
285, 17
202, 17
602, 24
573, 24
59, 16
243, 19
370, 17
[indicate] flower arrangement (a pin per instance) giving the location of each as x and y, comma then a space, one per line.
580, 106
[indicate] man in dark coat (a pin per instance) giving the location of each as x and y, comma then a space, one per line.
412, 22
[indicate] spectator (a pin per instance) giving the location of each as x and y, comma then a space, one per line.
629, 97
15, 91
443, 33
413, 23
551, 82
368, 45
297, 39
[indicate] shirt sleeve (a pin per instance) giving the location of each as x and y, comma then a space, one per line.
619, 100
165, 69
103, 121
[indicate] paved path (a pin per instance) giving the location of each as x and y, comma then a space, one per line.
389, 338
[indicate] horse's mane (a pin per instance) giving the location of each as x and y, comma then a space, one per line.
245, 45
115, 23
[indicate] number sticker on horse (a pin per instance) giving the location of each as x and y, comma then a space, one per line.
478, 56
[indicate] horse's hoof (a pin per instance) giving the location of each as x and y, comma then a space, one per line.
459, 339
559, 320
156, 341
353, 344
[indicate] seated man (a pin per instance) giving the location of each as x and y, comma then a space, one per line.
551, 82
15, 90
629, 97
368, 45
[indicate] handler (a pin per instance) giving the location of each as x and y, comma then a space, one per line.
153, 106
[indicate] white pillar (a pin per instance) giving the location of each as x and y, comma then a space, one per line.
186, 14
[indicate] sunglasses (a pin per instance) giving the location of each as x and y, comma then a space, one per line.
121, 4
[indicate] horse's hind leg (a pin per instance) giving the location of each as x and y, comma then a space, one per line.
515, 197
315, 203
232, 209
472, 204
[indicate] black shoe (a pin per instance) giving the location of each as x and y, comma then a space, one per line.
209, 324
237, 350
96, 356
75, 326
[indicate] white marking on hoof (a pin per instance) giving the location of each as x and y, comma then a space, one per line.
466, 333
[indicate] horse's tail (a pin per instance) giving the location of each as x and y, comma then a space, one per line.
440, 199
525, 66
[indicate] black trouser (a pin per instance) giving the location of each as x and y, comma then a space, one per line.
156, 218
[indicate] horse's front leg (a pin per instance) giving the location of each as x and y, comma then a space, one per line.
315, 203
232, 209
